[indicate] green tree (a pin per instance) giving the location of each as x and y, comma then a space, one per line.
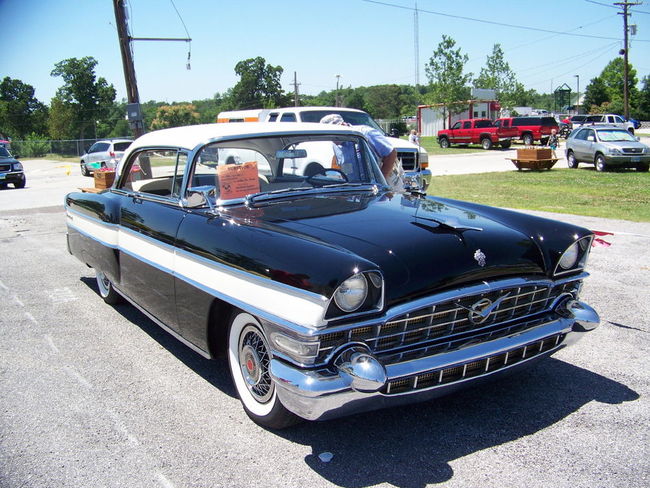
62, 120
613, 77
89, 97
175, 116
596, 94
447, 82
643, 109
383, 101
498, 76
259, 85
20, 112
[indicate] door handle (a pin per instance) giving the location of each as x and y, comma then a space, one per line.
137, 200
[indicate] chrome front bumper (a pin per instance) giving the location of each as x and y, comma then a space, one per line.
358, 381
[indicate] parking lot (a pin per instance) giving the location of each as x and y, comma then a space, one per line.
93, 395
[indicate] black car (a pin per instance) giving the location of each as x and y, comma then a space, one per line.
330, 293
11, 170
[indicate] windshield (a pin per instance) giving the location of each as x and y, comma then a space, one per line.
233, 170
352, 118
4, 153
615, 135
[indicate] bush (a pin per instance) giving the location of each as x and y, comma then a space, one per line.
34, 146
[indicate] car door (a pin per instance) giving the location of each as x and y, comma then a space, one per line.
464, 133
587, 145
454, 132
149, 217
578, 144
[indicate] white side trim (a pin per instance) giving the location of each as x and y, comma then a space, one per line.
277, 299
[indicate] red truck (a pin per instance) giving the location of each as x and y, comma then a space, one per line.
475, 131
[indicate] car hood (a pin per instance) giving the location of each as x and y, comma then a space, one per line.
8, 160
624, 144
420, 244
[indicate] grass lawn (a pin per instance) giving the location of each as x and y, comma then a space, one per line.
623, 194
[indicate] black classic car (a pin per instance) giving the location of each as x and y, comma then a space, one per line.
331, 293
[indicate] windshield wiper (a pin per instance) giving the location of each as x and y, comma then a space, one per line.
297, 191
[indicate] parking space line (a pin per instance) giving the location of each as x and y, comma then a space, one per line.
30, 317
78, 377
3, 286
17, 300
50, 342
164, 481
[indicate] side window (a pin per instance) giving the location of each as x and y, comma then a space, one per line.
273, 117
154, 171
467, 125
456, 125
497, 123
506, 123
99, 147
590, 135
618, 120
288, 117
581, 135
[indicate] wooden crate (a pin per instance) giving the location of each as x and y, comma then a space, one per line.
534, 153
104, 179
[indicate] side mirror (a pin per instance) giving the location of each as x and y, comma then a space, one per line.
591, 138
638, 139
200, 196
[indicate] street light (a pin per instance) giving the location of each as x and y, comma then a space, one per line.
578, 100
338, 101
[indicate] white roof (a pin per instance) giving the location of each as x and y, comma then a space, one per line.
190, 136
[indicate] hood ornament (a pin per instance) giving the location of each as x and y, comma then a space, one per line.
480, 257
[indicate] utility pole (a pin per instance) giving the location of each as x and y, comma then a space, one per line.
338, 98
134, 112
133, 98
416, 47
626, 70
296, 99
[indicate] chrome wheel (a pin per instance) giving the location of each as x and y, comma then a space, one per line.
106, 290
254, 360
249, 358
486, 143
571, 160
444, 143
528, 140
600, 163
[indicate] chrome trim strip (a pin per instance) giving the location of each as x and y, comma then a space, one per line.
311, 307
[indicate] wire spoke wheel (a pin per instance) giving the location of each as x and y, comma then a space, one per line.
254, 362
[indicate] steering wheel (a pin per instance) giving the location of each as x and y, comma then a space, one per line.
314, 181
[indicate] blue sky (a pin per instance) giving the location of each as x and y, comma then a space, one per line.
365, 42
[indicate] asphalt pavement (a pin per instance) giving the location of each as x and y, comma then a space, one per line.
99, 396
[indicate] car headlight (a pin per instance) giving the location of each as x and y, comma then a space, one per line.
18, 167
351, 293
570, 256
614, 150
575, 256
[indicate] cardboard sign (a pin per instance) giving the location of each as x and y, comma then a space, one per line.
237, 180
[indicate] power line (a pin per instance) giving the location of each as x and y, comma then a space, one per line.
502, 24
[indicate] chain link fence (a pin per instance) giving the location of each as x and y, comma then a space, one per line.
67, 148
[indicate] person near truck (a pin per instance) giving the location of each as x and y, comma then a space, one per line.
553, 142
378, 141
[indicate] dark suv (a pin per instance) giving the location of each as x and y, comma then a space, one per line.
11, 171
529, 129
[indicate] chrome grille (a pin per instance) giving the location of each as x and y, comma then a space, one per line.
632, 150
408, 159
481, 367
446, 325
5, 167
